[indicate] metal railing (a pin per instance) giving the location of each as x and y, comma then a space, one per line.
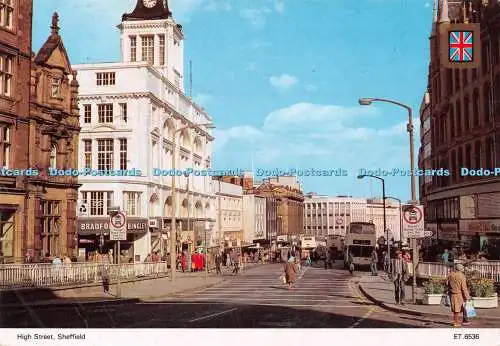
49, 275
482, 269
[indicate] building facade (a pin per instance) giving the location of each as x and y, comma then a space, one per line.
375, 214
53, 142
15, 60
324, 215
465, 113
424, 155
254, 218
228, 230
135, 120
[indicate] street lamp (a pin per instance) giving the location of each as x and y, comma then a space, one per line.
173, 235
385, 217
366, 101
400, 220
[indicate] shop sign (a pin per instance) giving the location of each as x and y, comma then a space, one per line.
471, 227
448, 231
89, 226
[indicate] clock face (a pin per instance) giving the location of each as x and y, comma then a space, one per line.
149, 3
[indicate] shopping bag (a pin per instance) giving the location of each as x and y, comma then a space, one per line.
447, 301
283, 279
470, 312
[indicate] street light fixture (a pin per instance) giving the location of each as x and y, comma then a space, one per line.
173, 235
400, 220
366, 101
385, 217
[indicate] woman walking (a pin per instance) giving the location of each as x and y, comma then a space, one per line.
290, 272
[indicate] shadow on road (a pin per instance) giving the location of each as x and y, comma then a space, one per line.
188, 314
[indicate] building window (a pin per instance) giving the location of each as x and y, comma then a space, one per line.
87, 114
475, 108
6, 75
456, 72
133, 48
50, 223
485, 57
466, 113
104, 154
5, 143
87, 153
449, 81
478, 151
105, 113
490, 154
468, 156
56, 88
6, 13
162, 49
474, 74
464, 77
458, 118
148, 49
123, 112
99, 202
487, 101
106, 78
53, 157
452, 122
460, 161
132, 201
123, 153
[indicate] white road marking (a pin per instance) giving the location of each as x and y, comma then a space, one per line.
362, 319
247, 299
207, 317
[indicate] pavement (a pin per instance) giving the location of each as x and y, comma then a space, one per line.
255, 299
380, 290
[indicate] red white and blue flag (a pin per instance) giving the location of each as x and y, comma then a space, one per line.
461, 46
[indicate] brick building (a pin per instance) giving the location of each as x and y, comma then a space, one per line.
465, 115
53, 143
15, 57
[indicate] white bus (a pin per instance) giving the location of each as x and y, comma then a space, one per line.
360, 241
307, 242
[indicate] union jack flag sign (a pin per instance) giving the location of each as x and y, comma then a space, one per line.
461, 46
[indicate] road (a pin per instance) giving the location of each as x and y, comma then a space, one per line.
256, 299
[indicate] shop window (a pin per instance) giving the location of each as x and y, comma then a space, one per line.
6, 233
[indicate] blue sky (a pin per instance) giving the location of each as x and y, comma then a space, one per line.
282, 78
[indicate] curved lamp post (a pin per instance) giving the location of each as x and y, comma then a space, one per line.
366, 101
385, 217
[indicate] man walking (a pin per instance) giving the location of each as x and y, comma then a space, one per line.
459, 294
374, 262
399, 272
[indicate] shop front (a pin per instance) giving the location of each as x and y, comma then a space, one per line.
447, 234
93, 237
483, 236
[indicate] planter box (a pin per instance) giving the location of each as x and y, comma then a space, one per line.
485, 303
432, 299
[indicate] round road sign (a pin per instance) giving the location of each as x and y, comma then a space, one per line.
340, 221
413, 215
118, 220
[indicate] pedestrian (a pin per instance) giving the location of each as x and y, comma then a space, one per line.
386, 259
218, 261
459, 295
236, 266
290, 272
374, 262
308, 260
445, 257
350, 262
399, 272
183, 262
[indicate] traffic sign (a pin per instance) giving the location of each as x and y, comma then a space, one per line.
340, 221
428, 234
118, 226
83, 210
413, 221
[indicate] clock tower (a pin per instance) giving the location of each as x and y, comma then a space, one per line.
150, 34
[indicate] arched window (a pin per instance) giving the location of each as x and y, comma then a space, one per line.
475, 108
53, 157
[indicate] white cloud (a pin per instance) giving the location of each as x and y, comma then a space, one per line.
311, 87
283, 82
321, 136
257, 15
202, 99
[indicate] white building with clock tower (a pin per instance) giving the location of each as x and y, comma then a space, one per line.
131, 113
